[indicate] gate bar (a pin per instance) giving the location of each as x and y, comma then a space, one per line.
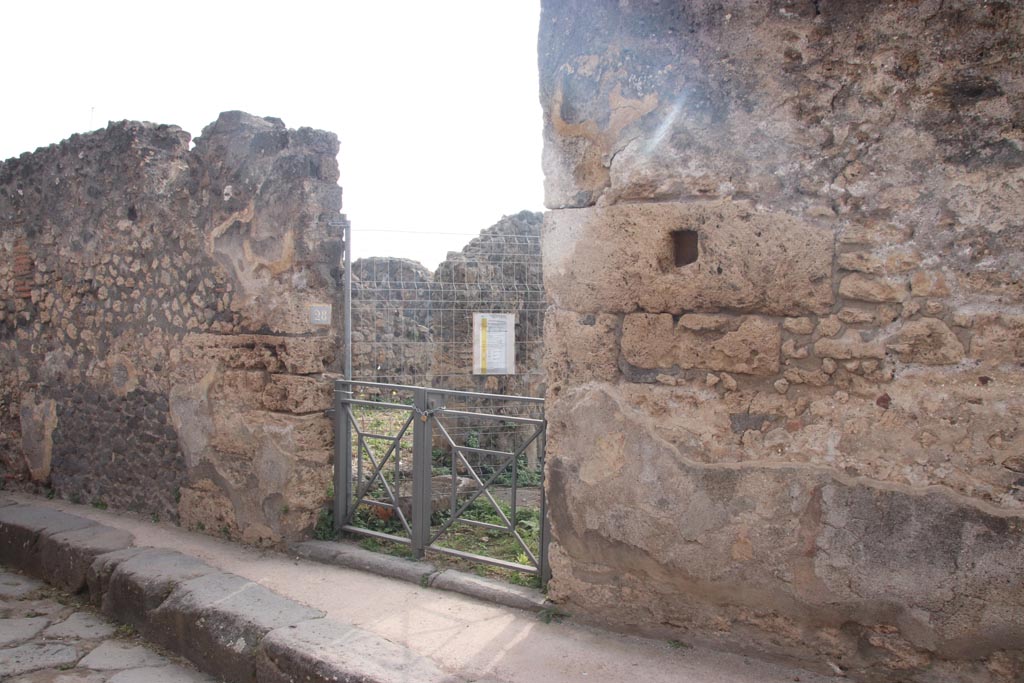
342, 426
422, 503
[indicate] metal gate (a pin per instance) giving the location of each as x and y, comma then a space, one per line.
419, 466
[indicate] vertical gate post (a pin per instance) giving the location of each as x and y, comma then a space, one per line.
342, 455
342, 424
421, 484
545, 522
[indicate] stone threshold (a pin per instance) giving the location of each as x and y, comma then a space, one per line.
422, 573
229, 627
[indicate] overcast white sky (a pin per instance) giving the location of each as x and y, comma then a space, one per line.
435, 103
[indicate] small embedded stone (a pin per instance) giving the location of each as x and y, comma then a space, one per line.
893, 261
925, 283
702, 322
887, 314
798, 325
850, 345
829, 327
873, 289
928, 341
781, 386
872, 232
790, 350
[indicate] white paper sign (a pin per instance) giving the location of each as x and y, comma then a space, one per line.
494, 343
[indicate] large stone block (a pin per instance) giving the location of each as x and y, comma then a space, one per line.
142, 581
295, 394
747, 345
704, 546
21, 529
621, 259
67, 556
578, 348
326, 651
648, 340
218, 621
102, 568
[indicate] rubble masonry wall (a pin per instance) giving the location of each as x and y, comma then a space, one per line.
154, 337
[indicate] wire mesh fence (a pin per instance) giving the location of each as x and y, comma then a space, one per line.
414, 327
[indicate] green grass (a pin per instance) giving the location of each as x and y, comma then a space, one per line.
380, 545
551, 614
324, 528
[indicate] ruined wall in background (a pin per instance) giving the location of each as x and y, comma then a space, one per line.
498, 272
391, 320
785, 351
154, 336
411, 326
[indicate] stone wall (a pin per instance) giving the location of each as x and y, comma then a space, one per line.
154, 336
391, 320
784, 353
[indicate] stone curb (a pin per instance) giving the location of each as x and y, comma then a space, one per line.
354, 557
227, 626
490, 590
26, 531
423, 573
321, 651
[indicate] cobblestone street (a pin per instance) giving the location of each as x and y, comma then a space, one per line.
49, 637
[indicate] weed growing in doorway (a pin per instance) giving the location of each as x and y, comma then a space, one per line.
324, 528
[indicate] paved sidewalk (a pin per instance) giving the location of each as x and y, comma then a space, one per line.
49, 637
470, 639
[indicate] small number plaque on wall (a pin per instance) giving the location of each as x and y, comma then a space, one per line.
320, 314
